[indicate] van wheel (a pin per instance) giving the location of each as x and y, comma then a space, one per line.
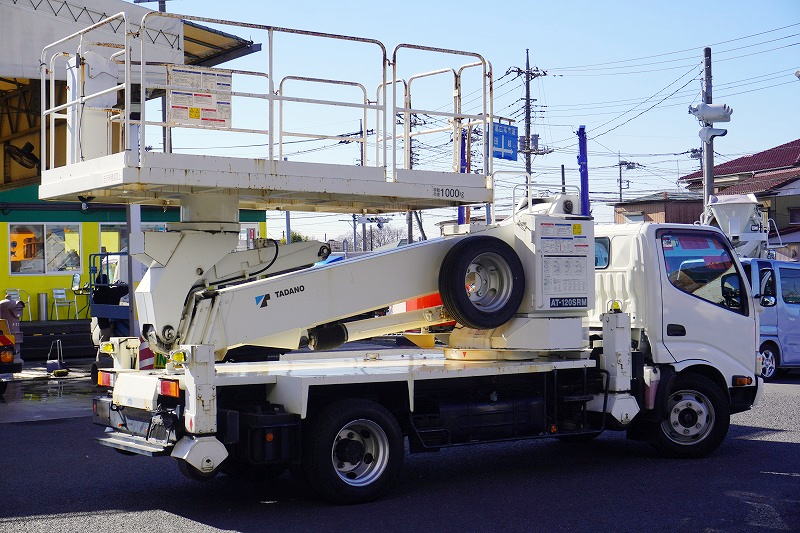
695, 419
481, 282
770, 359
353, 451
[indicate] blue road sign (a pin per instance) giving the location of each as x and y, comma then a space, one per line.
505, 141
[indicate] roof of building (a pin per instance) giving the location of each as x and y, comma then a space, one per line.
680, 195
785, 155
762, 182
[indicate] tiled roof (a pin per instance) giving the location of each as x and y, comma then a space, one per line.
681, 195
764, 181
785, 155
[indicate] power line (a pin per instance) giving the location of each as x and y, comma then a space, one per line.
679, 51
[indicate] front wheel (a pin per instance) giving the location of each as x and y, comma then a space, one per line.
352, 452
695, 420
769, 362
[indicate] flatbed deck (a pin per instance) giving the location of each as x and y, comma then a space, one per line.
292, 378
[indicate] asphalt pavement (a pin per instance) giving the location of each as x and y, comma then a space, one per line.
54, 478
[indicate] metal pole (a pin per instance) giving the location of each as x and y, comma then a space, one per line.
563, 180
462, 210
708, 146
619, 164
527, 143
410, 224
583, 168
364, 236
134, 223
288, 227
354, 233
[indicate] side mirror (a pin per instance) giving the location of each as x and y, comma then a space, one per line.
768, 301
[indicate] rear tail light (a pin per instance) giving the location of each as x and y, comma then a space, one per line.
6, 357
168, 387
106, 379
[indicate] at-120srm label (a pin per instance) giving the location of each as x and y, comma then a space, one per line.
568, 302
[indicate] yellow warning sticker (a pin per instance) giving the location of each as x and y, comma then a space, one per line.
577, 229
194, 112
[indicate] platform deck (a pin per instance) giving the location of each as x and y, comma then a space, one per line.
163, 179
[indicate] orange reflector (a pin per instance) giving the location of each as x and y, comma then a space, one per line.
6, 357
168, 387
742, 381
269, 437
106, 379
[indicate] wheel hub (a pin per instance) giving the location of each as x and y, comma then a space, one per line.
360, 452
690, 419
349, 451
488, 282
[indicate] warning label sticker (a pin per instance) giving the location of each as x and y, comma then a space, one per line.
199, 96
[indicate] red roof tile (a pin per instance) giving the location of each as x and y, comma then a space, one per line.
785, 155
764, 181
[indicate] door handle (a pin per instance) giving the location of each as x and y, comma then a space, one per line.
676, 330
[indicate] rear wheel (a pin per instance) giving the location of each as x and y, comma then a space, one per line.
482, 282
353, 451
695, 420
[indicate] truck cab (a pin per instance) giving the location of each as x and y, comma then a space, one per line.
776, 285
689, 301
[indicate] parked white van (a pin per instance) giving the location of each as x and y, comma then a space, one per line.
777, 284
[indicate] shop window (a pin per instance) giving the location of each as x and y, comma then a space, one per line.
26, 246
794, 215
44, 248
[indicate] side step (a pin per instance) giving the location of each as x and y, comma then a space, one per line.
133, 444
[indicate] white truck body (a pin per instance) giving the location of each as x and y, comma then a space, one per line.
661, 342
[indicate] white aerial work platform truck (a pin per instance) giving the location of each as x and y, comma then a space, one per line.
563, 329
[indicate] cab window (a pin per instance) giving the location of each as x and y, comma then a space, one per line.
790, 285
700, 264
767, 282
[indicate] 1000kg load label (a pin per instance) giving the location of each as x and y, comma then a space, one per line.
443, 192
569, 302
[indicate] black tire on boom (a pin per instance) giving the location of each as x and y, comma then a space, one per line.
481, 282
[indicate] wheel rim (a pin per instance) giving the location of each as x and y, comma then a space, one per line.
488, 282
360, 452
768, 363
691, 417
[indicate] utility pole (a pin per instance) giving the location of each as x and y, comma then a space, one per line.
708, 147
624, 184
364, 235
354, 233
708, 113
563, 180
529, 74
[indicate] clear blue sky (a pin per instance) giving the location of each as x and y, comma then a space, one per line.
589, 50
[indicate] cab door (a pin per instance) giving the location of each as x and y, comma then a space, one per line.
707, 312
789, 314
